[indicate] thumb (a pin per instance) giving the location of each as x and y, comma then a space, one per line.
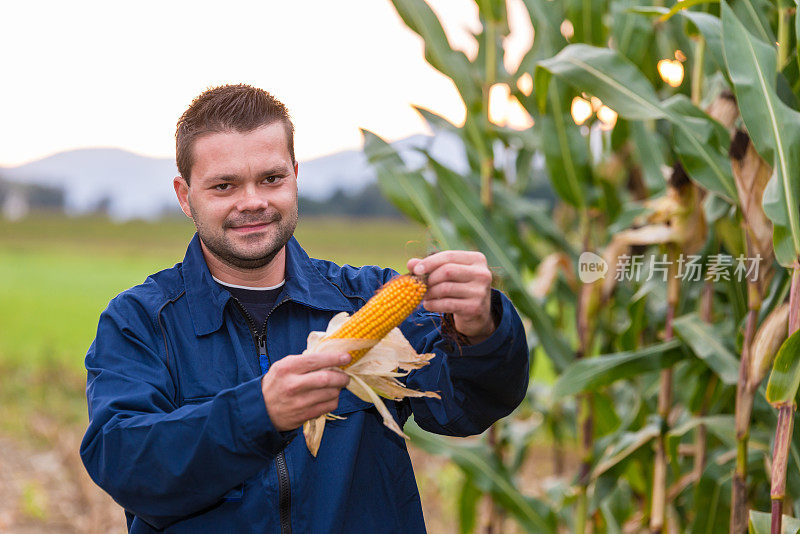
411, 263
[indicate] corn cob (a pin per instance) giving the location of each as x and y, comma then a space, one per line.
385, 310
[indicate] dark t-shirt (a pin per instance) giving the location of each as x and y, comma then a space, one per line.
257, 301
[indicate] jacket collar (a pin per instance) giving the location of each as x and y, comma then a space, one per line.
304, 284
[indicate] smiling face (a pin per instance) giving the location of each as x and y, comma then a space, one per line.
242, 195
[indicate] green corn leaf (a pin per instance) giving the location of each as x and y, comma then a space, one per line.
710, 28
684, 6
466, 207
702, 145
706, 343
566, 152
488, 475
593, 373
721, 426
408, 190
536, 214
418, 16
626, 444
711, 500
436, 121
773, 127
494, 11
633, 33
546, 20
761, 523
646, 143
754, 16
785, 377
587, 20
699, 140
468, 499
707, 24
604, 73
797, 30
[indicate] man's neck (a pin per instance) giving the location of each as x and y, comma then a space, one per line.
269, 275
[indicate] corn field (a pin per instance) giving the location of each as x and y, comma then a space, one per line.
659, 278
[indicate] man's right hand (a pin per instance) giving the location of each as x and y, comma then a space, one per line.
301, 387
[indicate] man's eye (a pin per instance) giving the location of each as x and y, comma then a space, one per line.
222, 187
272, 179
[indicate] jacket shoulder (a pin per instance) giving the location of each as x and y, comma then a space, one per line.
362, 281
150, 296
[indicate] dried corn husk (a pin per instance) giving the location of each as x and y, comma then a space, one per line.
547, 273
751, 174
769, 338
373, 376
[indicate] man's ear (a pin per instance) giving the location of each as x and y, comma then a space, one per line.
182, 192
296, 167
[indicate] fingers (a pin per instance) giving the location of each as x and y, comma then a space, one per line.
322, 379
455, 290
434, 261
307, 363
411, 263
465, 307
456, 272
319, 409
291, 397
471, 267
313, 405
459, 283
322, 396
470, 280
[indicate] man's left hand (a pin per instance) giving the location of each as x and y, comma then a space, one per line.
460, 283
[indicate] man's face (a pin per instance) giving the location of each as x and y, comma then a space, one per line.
242, 195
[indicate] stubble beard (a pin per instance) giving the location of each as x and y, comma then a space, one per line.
223, 248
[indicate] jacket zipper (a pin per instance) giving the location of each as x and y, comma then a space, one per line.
284, 489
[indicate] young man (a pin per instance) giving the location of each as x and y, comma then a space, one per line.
196, 389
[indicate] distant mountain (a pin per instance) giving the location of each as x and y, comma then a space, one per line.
130, 186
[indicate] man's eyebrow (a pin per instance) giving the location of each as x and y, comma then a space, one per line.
224, 178
280, 169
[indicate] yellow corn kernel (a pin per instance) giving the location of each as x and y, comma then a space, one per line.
389, 307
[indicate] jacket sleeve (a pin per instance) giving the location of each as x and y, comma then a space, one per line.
479, 384
159, 461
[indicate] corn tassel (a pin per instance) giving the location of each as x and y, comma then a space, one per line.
385, 310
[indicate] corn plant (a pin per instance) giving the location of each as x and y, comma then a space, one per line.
658, 382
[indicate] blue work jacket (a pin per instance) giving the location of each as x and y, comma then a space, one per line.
180, 437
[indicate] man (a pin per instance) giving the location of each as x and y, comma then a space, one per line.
196, 388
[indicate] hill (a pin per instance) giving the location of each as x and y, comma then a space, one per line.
129, 185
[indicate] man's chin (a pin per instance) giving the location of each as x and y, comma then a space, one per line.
254, 251
249, 260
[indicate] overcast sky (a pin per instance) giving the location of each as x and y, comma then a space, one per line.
98, 73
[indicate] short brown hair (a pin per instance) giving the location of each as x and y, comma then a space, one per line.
239, 107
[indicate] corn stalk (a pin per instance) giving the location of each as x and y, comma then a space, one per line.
659, 494
752, 175
586, 322
781, 392
775, 131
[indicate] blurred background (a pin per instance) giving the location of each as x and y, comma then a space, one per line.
558, 137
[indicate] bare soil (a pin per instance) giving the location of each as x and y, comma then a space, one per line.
44, 487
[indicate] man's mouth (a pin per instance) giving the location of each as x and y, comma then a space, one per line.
248, 228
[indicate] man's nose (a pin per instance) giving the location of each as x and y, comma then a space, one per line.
251, 199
